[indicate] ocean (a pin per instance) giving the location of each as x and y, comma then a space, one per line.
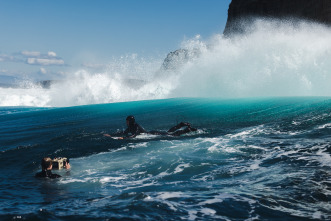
251, 159
262, 151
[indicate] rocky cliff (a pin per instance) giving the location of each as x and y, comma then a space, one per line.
179, 57
242, 12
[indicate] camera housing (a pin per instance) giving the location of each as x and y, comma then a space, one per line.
59, 163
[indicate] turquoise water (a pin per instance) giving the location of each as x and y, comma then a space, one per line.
251, 159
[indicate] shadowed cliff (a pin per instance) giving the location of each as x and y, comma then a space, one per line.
242, 13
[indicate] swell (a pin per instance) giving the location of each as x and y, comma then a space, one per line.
251, 159
78, 128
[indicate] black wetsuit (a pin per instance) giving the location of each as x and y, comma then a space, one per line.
47, 173
136, 129
175, 131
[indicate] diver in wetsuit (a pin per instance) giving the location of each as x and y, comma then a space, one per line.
47, 165
135, 129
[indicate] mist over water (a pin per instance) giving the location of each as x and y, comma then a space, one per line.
272, 59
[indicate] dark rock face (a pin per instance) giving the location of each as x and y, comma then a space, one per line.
179, 57
45, 84
242, 12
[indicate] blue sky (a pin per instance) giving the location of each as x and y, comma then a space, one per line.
42, 39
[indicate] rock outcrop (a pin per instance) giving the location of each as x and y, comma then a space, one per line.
241, 13
179, 57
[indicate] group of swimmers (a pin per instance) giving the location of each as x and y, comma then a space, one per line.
133, 129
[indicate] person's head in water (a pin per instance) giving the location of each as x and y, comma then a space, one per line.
46, 163
130, 121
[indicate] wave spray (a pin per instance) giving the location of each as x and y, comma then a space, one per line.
273, 58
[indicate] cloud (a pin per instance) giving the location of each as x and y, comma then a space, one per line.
34, 58
6, 58
45, 61
51, 54
94, 66
38, 58
37, 54
31, 53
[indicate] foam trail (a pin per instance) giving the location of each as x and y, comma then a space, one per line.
273, 59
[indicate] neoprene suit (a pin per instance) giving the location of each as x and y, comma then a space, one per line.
136, 129
47, 173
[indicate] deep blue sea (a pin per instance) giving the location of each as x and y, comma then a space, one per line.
251, 159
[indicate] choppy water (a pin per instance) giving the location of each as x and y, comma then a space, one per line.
251, 159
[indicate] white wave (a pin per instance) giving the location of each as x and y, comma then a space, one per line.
248, 132
35, 96
111, 179
217, 199
255, 165
143, 144
323, 157
328, 125
170, 195
275, 59
215, 144
73, 180
225, 144
181, 167
260, 130
208, 211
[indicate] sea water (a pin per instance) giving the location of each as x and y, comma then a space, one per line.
262, 106
250, 159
